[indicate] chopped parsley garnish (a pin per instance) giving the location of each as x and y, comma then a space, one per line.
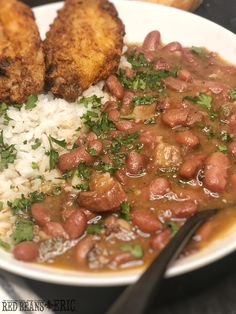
1, 205
222, 148
225, 137
23, 204
3, 113
68, 174
56, 191
139, 61
83, 171
143, 100
94, 100
95, 229
150, 121
127, 117
202, 100
232, 93
92, 151
136, 249
37, 144
61, 143
31, 102
125, 210
99, 124
197, 50
6, 246
7, 153
81, 186
104, 167
34, 165
53, 155
23, 231
173, 227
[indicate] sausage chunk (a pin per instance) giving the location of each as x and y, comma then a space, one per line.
216, 172
105, 194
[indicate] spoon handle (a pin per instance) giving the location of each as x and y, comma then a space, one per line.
136, 298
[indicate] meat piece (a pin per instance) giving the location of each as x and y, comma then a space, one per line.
22, 67
135, 162
105, 194
26, 251
158, 186
146, 221
82, 47
192, 164
144, 112
166, 155
216, 172
187, 138
75, 224
175, 84
71, 160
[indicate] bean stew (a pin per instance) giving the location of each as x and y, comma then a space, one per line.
161, 150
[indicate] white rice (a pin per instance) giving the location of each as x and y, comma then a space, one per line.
51, 116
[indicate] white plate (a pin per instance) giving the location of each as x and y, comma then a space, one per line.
174, 25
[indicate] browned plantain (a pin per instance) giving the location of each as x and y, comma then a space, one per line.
83, 46
22, 68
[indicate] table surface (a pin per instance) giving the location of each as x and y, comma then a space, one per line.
210, 290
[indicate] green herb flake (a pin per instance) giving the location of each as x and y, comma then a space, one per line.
23, 231
151, 120
173, 227
3, 113
37, 144
34, 165
125, 210
19, 205
81, 186
83, 171
144, 100
61, 143
197, 50
204, 100
94, 100
222, 148
7, 153
232, 93
57, 190
136, 249
53, 155
99, 124
95, 229
92, 151
225, 137
68, 174
127, 117
1, 205
139, 61
31, 102
6, 246
105, 167
36, 197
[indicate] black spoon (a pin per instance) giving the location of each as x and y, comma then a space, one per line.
136, 298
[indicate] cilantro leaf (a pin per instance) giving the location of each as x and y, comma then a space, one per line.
136, 249
6, 246
31, 102
61, 143
81, 186
7, 153
23, 231
95, 229
19, 205
53, 155
94, 100
99, 124
197, 50
232, 93
36, 144
222, 148
173, 227
143, 100
83, 171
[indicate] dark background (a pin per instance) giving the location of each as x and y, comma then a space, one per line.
210, 290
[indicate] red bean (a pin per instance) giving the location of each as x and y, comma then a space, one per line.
192, 165
55, 229
159, 240
159, 186
175, 117
121, 176
216, 87
125, 126
75, 224
115, 87
127, 99
145, 220
26, 251
216, 172
83, 248
232, 148
40, 213
183, 209
161, 64
187, 138
71, 160
176, 84
164, 104
151, 41
129, 73
148, 138
173, 46
193, 117
91, 136
114, 115
135, 162
185, 75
